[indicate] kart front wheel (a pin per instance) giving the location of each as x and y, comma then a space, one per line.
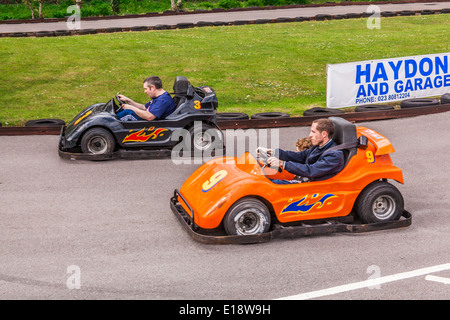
247, 217
379, 202
97, 141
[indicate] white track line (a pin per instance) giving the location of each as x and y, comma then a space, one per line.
438, 279
367, 283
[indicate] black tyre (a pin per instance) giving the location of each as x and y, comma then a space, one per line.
139, 28
247, 216
419, 102
59, 33
322, 17
231, 116
317, 111
270, 115
445, 98
379, 202
262, 21
98, 141
204, 24
162, 27
44, 123
87, 31
185, 25
373, 107
45, 34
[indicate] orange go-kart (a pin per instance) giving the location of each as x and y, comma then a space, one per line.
233, 200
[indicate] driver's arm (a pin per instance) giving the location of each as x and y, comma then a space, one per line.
132, 103
144, 114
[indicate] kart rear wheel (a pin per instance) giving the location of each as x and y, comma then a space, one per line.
247, 216
379, 202
204, 138
97, 141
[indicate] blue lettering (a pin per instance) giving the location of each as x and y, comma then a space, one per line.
372, 90
443, 66
361, 92
395, 68
384, 88
418, 84
421, 67
410, 73
447, 80
409, 86
380, 72
437, 82
428, 84
398, 86
360, 73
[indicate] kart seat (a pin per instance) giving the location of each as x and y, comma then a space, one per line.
345, 137
182, 90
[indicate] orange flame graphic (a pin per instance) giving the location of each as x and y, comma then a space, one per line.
140, 136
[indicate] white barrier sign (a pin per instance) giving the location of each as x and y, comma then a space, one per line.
386, 80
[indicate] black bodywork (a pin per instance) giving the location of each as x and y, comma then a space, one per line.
194, 105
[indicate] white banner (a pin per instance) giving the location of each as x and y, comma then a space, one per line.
387, 80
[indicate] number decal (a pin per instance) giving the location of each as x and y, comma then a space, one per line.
216, 178
197, 104
370, 157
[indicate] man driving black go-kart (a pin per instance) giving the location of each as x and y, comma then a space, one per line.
98, 133
160, 106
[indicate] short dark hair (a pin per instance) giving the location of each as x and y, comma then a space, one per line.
154, 81
324, 124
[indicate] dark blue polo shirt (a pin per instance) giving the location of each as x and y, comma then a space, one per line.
161, 106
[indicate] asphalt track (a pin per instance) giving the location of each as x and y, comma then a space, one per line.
221, 16
104, 230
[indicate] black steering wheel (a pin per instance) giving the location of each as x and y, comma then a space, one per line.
120, 103
119, 100
263, 156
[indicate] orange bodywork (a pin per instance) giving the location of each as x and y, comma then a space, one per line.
214, 187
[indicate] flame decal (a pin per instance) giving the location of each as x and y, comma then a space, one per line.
303, 206
140, 135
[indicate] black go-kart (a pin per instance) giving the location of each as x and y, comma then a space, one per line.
96, 133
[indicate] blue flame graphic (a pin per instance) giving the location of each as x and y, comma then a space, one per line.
297, 206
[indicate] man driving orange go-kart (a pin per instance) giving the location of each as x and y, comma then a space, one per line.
320, 162
240, 194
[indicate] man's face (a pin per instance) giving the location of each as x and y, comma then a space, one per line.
317, 138
149, 90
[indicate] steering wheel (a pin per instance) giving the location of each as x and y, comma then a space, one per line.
263, 156
120, 103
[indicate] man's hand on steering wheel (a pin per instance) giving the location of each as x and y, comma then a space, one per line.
121, 99
265, 155
275, 162
263, 152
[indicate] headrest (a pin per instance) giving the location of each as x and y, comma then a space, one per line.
344, 131
181, 85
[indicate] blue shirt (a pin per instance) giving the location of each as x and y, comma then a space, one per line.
312, 163
161, 106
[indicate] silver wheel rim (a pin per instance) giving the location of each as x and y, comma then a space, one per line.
202, 141
384, 207
97, 145
250, 221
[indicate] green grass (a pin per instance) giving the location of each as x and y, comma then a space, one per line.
253, 68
